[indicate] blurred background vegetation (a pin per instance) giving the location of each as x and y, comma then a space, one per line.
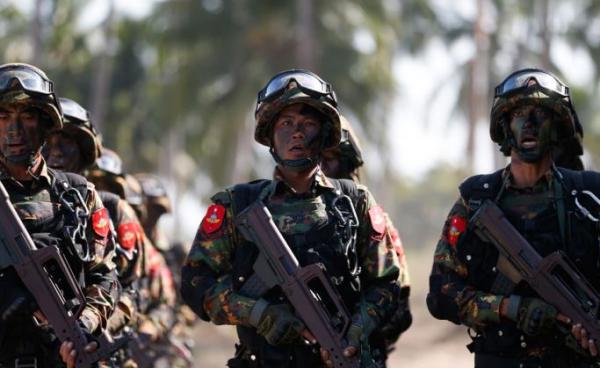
172, 85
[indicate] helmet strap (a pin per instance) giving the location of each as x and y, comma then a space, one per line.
300, 164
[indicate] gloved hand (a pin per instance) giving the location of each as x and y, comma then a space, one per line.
362, 323
535, 316
278, 324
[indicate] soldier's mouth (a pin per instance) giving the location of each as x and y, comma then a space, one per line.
529, 142
297, 148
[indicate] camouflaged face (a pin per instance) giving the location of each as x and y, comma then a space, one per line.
503, 105
44, 103
267, 111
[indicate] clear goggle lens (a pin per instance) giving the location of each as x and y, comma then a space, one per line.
305, 80
520, 80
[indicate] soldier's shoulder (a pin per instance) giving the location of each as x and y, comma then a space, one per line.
72, 179
481, 184
581, 180
245, 192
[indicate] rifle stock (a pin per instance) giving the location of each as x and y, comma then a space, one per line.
307, 288
553, 277
48, 277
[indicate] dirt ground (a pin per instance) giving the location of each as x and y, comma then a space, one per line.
428, 343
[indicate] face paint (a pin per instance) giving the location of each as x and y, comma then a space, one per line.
20, 132
296, 132
532, 127
62, 152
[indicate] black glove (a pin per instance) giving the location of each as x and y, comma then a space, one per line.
278, 324
535, 316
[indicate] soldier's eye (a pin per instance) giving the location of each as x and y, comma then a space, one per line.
516, 113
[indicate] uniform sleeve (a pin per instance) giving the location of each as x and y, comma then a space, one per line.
380, 276
450, 296
206, 284
102, 286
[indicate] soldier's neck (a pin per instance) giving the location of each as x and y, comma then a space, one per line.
19, 172
526, 174
301, 181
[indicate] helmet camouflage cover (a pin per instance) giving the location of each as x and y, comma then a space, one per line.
569, 130
20, 82
267, 111
78, 125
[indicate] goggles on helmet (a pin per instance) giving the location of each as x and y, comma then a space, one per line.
72, 110
519, 80
30, 80
307, 82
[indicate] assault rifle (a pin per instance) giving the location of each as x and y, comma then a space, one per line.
307, 288
50, 280
553, 277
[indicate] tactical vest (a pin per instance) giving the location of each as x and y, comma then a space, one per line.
317, 245
19, 337
565, 227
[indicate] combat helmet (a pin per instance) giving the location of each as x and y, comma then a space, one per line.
77, 123
297, 86
548, 91
349, 145
24, 82
154, 191
107, 173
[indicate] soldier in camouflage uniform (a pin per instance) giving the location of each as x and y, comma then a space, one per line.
344, 162
511, 326
29, 109
75, 148
156, 290
297, 118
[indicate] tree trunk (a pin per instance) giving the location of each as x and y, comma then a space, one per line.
305, 39
545, 33
478, 83
103, 73
36, 33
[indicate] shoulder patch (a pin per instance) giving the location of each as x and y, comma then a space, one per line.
377, 219
213, 219
100, 222
127, 235
457, 226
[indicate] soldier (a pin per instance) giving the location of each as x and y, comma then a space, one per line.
47, 201
344, 162
75, 148
157, 299
297, 118
512, 327
157, 204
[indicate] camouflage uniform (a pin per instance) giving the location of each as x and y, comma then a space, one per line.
38, 207
125, 228
207, 274
465, 284
347, 161
48, 202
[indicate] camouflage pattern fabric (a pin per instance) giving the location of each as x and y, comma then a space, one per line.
533, 211
208, 266
36, 207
